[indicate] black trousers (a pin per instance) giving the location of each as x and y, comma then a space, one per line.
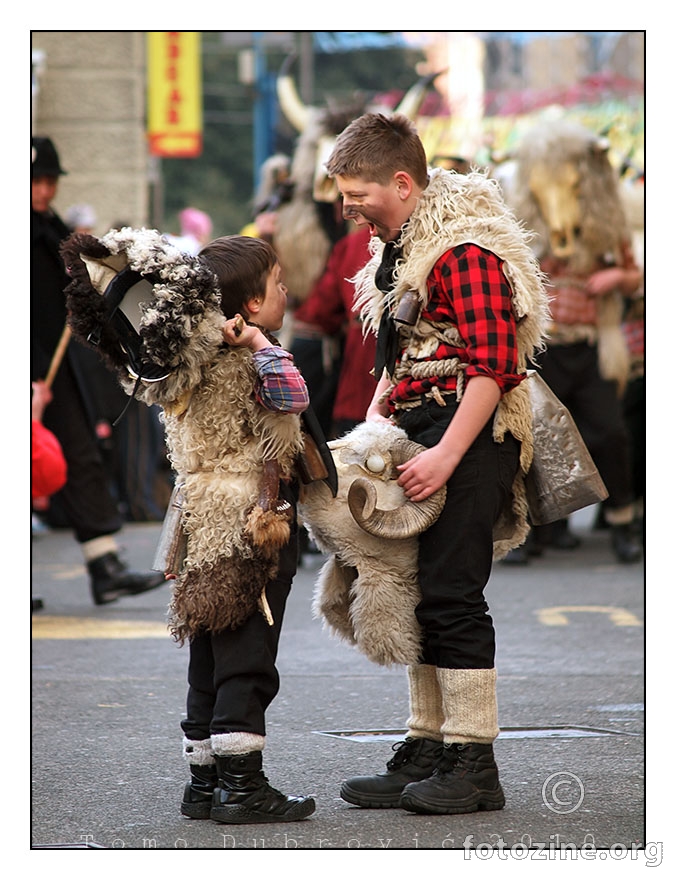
455, 554
86, 499
232, 675
572, 372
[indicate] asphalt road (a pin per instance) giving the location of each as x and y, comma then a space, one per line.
108, 693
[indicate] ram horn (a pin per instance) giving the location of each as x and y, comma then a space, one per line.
412, 101
296, 112
406, 521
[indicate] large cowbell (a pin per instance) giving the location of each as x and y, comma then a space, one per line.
123, 297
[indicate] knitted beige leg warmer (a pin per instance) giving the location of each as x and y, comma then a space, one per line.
427, 714
470, 705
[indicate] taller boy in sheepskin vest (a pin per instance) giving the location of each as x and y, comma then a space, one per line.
458, 303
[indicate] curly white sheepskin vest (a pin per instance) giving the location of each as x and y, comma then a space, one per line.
458, 209
219, 446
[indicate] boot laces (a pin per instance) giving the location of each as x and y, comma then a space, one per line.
450, 757
403, 752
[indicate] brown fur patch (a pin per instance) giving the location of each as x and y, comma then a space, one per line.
268, 528
218, 597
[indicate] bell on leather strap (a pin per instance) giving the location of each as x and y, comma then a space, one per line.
408, 309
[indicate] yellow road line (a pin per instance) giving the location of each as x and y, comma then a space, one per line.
52, 627
558, 616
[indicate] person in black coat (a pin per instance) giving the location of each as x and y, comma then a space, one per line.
86, 500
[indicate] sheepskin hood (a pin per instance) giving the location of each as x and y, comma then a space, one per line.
180, 321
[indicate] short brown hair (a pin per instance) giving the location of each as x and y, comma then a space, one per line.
242, 265
374, 147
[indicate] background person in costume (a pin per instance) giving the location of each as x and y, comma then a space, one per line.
330, 307
230, 399
566, 190
85, 502
450, 373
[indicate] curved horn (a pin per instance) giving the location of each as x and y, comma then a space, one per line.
412, 101
410, 519
293, 108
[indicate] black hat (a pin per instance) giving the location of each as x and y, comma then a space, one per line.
44, 158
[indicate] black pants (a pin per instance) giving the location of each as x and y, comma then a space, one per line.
572, 372
232, 676
86, 499
456, 553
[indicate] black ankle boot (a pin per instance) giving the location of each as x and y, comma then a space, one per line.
625, 543
466, 780
110, 579
415, 758
561, 536
198, 793
244, 796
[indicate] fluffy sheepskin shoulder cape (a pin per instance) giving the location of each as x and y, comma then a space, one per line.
459, 209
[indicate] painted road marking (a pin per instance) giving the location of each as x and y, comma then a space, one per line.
53, 627
558, 615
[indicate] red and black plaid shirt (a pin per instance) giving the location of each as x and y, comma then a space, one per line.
468, 289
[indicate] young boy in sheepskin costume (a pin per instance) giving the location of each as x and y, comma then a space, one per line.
231, 400
457, 302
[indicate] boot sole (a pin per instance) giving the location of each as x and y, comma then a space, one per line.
105, 597
241, 815
197, 811
371, 801
481, 801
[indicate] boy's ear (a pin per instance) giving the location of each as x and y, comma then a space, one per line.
253, 305
404, 184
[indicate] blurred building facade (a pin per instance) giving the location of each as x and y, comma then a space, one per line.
516, 60
88, 95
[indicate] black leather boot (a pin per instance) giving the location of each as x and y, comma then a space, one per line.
466, 780
561, 536
198, 793
415, 758
244, 796
110, 579
625, 543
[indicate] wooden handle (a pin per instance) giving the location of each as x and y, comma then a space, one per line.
57, 357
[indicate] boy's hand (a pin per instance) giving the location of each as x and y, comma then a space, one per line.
41, 397
426, 472
237, 332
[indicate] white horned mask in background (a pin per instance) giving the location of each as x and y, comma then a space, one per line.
566, 190
367, 590
310, 223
